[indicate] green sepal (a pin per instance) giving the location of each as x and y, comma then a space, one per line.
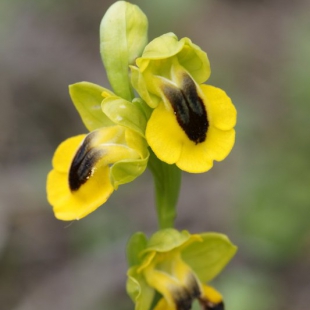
167, 47
209, 257
126, 171
162, 47
87, 98
136, 244
139, 291
125, 113
167, 179
123, 36
166, 240
140, 86
143, 106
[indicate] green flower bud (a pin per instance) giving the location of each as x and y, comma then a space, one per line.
123, 36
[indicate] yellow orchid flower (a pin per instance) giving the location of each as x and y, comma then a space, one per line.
192, 123
88, 168
177, 265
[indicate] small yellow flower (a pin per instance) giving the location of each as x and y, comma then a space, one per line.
191, 124
87, 169
177, 265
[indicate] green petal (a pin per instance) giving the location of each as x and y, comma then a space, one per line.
166, 240
195, 61
123, 35
136, 244
126, 171
125, 113
87, 98
209, 257
143, 106
140, 86
189, 55
162, 47
139, 291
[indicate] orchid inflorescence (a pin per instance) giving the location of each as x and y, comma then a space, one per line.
159, 114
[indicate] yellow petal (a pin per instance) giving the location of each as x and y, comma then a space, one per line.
221, 112
163, 305
164, 135
197, 158
211, 295
65, 152
71, 205
77, 190
219, 143
171, 144
163, 283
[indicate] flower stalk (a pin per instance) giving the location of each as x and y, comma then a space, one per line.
167, 180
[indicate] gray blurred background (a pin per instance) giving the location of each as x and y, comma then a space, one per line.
260, 195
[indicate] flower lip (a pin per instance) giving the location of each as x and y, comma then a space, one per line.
82, 166
177, 266
188, 108
185, 296
219, 306
212, 306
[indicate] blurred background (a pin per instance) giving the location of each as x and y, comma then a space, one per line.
259, 196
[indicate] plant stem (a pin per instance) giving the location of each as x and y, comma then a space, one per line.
167, 179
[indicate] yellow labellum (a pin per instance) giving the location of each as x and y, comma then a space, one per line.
171, 143
81, 181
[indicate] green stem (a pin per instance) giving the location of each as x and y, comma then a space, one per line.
167, 179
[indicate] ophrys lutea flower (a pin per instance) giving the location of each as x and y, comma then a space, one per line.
192, 123
88, 168
178, 266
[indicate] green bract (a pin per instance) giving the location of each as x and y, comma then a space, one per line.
172, 262
123, 35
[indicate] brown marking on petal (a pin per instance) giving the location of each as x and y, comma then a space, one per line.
184, 296
83, 163
183, 300
207, 305
189, 109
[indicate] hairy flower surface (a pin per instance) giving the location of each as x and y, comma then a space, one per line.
191, 124
177, 265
